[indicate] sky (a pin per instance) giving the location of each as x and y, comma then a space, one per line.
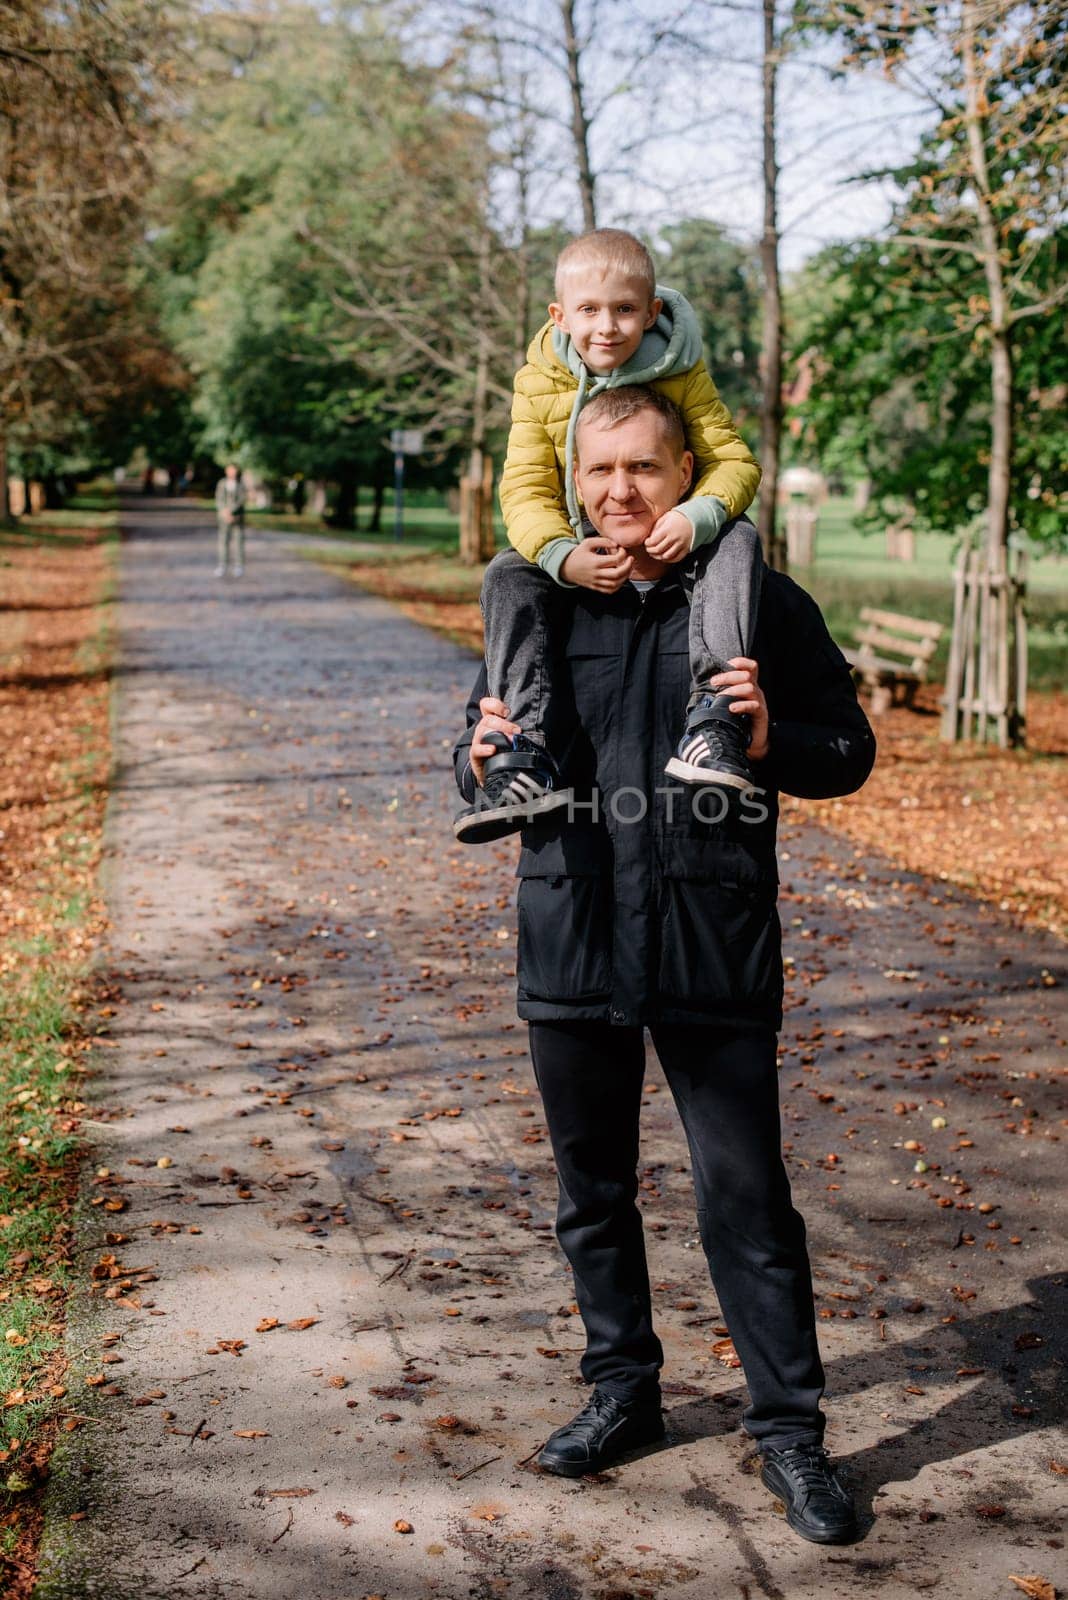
676, 129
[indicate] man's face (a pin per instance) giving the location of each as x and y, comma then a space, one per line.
231, 471
628, 475
606, 314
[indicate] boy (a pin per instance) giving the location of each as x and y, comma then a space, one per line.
610, 327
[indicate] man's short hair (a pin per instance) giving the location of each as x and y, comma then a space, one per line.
612, 250
613, 406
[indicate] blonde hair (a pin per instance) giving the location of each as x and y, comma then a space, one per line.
612, 250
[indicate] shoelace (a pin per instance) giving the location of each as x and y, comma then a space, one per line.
516, 787
707, 745
811, 1466
589, 1419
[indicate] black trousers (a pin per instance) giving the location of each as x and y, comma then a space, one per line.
725, 1085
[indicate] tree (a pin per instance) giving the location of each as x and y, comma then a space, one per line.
771, 409
901, 392
77, 87
987, 191
720, 278
320, 219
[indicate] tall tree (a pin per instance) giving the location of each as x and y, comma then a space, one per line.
318, 246
771, 408
988, 189
78, 83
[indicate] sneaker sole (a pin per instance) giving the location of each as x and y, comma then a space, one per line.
845, 1536
496, 822
579, 1469
677, 768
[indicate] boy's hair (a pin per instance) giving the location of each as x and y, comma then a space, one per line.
613, 406
611, 249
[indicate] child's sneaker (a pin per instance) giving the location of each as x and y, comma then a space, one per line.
519, 784
713, 747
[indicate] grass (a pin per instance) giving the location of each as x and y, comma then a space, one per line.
46, 959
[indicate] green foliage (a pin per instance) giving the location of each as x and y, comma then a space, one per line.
319, 176
901, 332
719, 277
902, 390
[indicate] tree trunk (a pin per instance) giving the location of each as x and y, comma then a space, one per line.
1000, 687
375, 524
1000, 473
771, 408
344, 514
580, 122
472, 515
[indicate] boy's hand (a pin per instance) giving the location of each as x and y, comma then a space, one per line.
671, 538
597, 564
494, 718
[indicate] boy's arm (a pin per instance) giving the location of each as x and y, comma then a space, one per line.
532, 495
726, 474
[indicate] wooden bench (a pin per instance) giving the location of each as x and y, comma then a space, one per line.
892, 652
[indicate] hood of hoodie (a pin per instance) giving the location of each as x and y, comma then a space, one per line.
671, 346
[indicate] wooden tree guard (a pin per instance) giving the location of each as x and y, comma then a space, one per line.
477, 538
986, 679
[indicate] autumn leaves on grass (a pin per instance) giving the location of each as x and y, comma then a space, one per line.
54, 714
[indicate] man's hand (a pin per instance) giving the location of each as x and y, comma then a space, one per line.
597, 564
747, 696
495, 718
671, 538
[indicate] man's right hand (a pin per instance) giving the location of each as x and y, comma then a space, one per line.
495, 719
597, 564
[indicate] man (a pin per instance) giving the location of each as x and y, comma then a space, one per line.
230, 511
654, 906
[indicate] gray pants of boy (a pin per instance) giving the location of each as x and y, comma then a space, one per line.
232, 540
519, 602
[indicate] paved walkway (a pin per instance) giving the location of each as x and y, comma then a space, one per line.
336, 1325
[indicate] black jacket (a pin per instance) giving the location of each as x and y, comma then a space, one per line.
670, 916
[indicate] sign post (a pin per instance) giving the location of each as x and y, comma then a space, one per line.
403, 442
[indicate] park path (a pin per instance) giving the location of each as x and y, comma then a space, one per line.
315, 1110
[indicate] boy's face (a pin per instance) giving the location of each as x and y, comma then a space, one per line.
606, 314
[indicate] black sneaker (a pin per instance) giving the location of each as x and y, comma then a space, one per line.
604, 1429
520, 784
713, 747
818, 1505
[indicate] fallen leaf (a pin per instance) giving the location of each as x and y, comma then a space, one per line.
400, 1526
1037, 1588
300, 1323
250, 1433
283, 1494
265, 1324
724, 1351
345, 1520
990, 1511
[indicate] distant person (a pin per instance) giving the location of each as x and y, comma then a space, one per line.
230, 512
298, 494
147, 485
612, 326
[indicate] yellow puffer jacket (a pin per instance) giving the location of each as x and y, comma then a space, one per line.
532, 483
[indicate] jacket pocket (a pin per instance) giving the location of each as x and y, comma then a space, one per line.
565, 931
720, 945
